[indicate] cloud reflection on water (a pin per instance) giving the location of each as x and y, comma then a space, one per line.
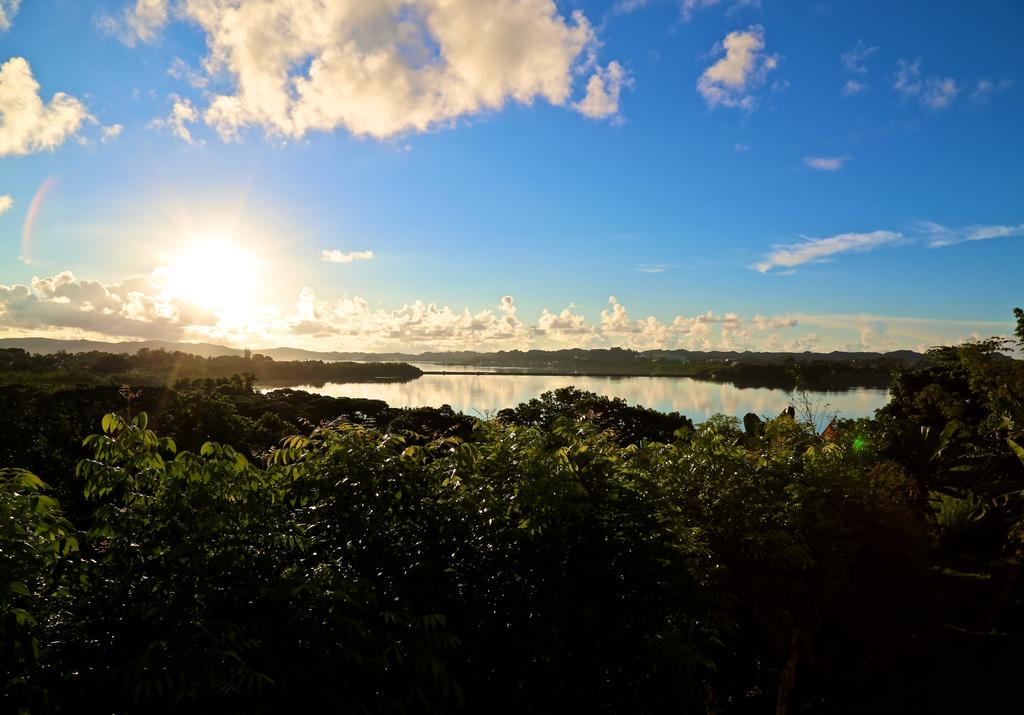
485, 394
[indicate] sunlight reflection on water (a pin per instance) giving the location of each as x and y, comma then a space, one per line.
485, 394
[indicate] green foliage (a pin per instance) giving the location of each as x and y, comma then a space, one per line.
160, 367
575, 553
35, 543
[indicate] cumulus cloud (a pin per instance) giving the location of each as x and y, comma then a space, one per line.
131, 308
109, 134
6, 202
8, 9
816, 250
183, 113
65, 305
140, 22
825, 163
336, 256
933, 92
383, 68
732, 79
939, 235
565, 326
143, 308
27, 124
602, 98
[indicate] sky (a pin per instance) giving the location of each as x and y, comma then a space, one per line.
417, 175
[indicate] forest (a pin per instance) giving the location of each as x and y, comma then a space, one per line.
198, 546
166, 367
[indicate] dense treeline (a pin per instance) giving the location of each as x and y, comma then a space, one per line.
162, 367
572, 554
787, 371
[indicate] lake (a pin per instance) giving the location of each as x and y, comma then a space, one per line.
486, 394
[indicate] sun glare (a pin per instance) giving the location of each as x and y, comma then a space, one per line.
216, 275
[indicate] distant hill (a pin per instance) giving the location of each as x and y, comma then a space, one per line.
509, 358
48, 346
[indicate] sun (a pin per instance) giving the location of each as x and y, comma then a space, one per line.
216, 275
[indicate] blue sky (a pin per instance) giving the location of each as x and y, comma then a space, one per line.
490, 175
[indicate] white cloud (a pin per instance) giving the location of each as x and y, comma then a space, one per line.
564, 327
336, 256
140, 22
8, 9
825, 163
109, 134
933, 92
66, 306
131, 308
624, 7
602, 98
814, 250
183, 113
885, 332
183, 72
691, 6
853, 62
731, 80
27, 124
853, 86
6, 202
940, 235
984, 89
384, 68
686, 7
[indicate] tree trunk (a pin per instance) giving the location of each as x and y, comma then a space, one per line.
788, 676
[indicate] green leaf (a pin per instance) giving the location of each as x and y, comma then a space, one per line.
108, 422
1017, 449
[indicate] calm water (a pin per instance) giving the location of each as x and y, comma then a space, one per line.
484, 394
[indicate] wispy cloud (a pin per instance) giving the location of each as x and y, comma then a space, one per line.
653, 267
336, 256
939, 235
8, 9
183, 72
731, 81
6, 202
825, 163
816, 250
933, 92
140, 22
183, 113
985, 89
853, 62
109, 134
